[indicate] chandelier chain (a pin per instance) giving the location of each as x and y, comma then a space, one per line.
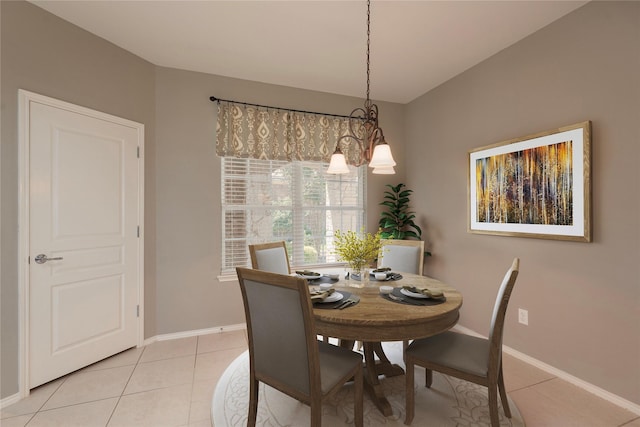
368, 44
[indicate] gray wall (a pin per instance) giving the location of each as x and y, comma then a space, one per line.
583, 298
44, 54
47, 55
188, 201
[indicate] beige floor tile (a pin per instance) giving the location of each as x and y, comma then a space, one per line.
161, 350
202, 423
518, 374
161, 373
19, 421
36, 399
83, 415
175, 384
90, 386
558, 403
156, 408
222, 341
203, 390
210, 366
125, 358
200, 410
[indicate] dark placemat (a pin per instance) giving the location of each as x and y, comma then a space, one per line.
410, 300
322, 279
333, 304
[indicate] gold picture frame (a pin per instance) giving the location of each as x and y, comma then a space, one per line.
536, 186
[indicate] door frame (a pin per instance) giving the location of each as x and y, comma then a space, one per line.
25, 98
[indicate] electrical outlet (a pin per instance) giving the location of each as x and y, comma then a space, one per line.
523, 316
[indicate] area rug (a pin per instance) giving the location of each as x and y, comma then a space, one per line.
449, 401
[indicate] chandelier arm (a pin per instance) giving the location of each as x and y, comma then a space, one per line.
359, 119
362, 157
373, 113
354, 116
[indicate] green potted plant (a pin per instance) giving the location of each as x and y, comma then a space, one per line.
397, 222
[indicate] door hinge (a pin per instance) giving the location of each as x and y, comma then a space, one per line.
138, 152
138, 231
28, 260
137, 311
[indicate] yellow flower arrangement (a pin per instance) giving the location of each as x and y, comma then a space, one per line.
357, 251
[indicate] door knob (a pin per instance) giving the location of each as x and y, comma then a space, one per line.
42, 258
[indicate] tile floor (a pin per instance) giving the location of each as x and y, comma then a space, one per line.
170, 383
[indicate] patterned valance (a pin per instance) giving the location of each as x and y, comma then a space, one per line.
273, 134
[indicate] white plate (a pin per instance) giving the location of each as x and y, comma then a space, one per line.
412, 294
336, 296
310, 276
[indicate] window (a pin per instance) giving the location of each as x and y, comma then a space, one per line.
270, 200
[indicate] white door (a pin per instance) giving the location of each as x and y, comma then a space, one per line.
84, 213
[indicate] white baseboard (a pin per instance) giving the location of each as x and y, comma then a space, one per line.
195, 333
10, 400
593, 389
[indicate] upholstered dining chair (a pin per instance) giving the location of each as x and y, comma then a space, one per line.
402, 255
474, 359
271, 257
283, 350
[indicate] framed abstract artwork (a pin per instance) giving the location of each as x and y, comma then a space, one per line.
535, 186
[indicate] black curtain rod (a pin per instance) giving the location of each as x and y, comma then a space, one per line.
214, 99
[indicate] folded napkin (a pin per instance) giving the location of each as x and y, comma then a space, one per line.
428, 292
317, 296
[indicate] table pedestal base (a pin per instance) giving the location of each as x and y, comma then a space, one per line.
372, 369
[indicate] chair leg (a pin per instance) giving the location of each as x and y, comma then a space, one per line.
503, 394
428, 377
409, 394
316, 414
253, 402
492, 390
358, 407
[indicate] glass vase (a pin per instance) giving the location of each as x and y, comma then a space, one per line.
359, 272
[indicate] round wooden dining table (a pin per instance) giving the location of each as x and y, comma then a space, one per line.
375, 319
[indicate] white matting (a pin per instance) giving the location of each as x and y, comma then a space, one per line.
449, 402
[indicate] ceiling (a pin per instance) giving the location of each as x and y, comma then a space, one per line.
317, 45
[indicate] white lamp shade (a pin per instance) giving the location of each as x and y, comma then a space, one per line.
338, 164
382, 157
384, 170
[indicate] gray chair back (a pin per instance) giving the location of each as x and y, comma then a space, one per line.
402, 255
279, 320
271, 257
500, 307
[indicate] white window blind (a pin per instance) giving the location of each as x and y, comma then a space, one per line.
270, 200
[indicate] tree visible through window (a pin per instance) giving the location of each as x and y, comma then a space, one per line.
268, 200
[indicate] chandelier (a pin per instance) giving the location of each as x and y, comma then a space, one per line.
373, 146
